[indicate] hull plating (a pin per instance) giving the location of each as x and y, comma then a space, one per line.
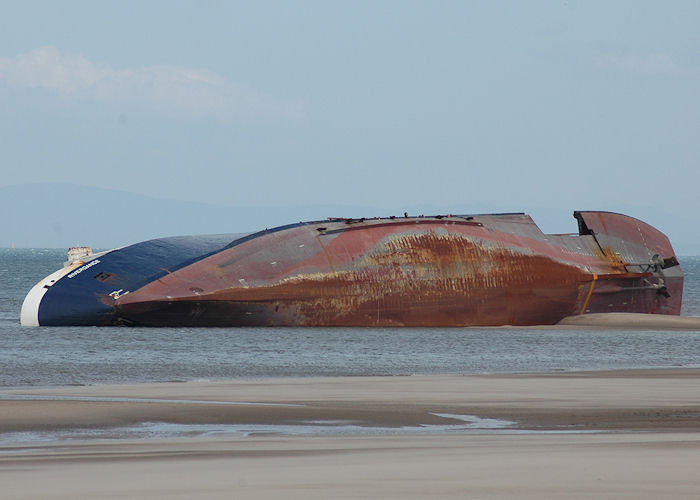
434, 271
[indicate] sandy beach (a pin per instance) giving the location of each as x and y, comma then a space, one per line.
627, 434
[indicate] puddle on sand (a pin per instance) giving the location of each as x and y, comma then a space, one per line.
468, 424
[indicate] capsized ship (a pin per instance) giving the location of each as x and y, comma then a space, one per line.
486, 270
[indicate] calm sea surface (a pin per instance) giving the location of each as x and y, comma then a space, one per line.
87, 355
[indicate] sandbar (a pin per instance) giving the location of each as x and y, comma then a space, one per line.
618, 434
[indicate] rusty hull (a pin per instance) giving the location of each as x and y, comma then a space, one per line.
418, 271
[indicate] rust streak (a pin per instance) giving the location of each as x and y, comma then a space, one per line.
590, 292
325, 252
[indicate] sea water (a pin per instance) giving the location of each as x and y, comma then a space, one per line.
50, 356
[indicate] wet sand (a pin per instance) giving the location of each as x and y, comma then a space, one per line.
637, 321
628, 434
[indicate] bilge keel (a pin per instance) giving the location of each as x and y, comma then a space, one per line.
497, 269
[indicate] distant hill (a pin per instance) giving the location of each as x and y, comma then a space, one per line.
61, 215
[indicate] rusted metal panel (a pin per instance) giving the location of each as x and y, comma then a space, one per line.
447, 271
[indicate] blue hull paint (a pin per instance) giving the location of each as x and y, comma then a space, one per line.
84, 298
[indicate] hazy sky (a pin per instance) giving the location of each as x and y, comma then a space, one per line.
575, 104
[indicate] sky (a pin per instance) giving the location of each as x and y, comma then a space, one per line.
505, 104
